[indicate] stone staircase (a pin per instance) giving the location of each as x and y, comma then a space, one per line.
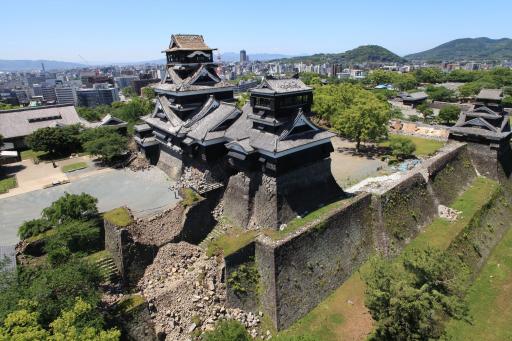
217, 231
108, 269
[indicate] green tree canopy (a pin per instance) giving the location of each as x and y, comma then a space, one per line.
23, 324
33, 227
227, 330
449, 113
104, 142
401, 146
430, 75
71, 207
55, 140
440, 93
412, 299
148, 92
129, 92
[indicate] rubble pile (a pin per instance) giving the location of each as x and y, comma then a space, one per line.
447, 213
186, 295
159, 229
193, 178
139, 163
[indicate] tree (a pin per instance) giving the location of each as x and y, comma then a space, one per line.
449, 113
71, 207
405, 81
148, 92
33, 228
440, 93
507, 101
427, 113
242, 99
23, 324
365, 120
55, 140
227, 330
104, 142
129, 92
429, 75
379, 76
401, 146
412, 298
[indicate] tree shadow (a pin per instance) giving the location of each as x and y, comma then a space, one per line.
9, 169
370, 152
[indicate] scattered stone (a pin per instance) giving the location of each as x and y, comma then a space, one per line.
448, 213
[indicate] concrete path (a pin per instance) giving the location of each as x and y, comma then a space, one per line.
145, 193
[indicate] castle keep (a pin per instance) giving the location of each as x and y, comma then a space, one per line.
274, 160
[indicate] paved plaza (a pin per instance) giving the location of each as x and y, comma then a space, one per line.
144, 192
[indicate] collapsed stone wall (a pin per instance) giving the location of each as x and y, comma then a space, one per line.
491, 160
134, 247
242, 277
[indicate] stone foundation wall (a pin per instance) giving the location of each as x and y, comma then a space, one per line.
450, 173
307, 266
245, 294
266, 201
171, 162
297, 273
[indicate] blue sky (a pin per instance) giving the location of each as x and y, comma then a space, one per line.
137, 30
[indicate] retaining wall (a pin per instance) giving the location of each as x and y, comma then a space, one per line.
298, 272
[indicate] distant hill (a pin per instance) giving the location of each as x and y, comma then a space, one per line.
29, 65
359, 55
467, 49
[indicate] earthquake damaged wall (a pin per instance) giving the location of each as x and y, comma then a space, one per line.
300, 271
450, 173
170, 161
476, 241
266, 201
242, 278
491, 160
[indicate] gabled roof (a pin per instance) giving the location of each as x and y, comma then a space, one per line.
23, 122
483, 122
415, 96
280, 86
490, 94
188, 42
173, 81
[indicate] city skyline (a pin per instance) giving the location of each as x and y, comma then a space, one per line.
102, 32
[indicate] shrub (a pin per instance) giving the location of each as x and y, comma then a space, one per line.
33, 227
71, 207
227, 330
74, 235
104, 142
449, 113
401, 146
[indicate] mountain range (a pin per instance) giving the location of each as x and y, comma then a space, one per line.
455, 50
467, 49
360, 55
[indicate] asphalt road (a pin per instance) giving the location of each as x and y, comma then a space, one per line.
144, 193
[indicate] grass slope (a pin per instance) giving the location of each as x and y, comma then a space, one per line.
74, 166
119, 217
343, 316
490, 299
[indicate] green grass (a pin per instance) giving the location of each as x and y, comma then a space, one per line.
441, 232
297, 223
424, 147
489, 299
30, 154
119, 217
43, 235
189, 197
231, 241
336, 319
7, 183
97, 256
129, 304
74, 166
